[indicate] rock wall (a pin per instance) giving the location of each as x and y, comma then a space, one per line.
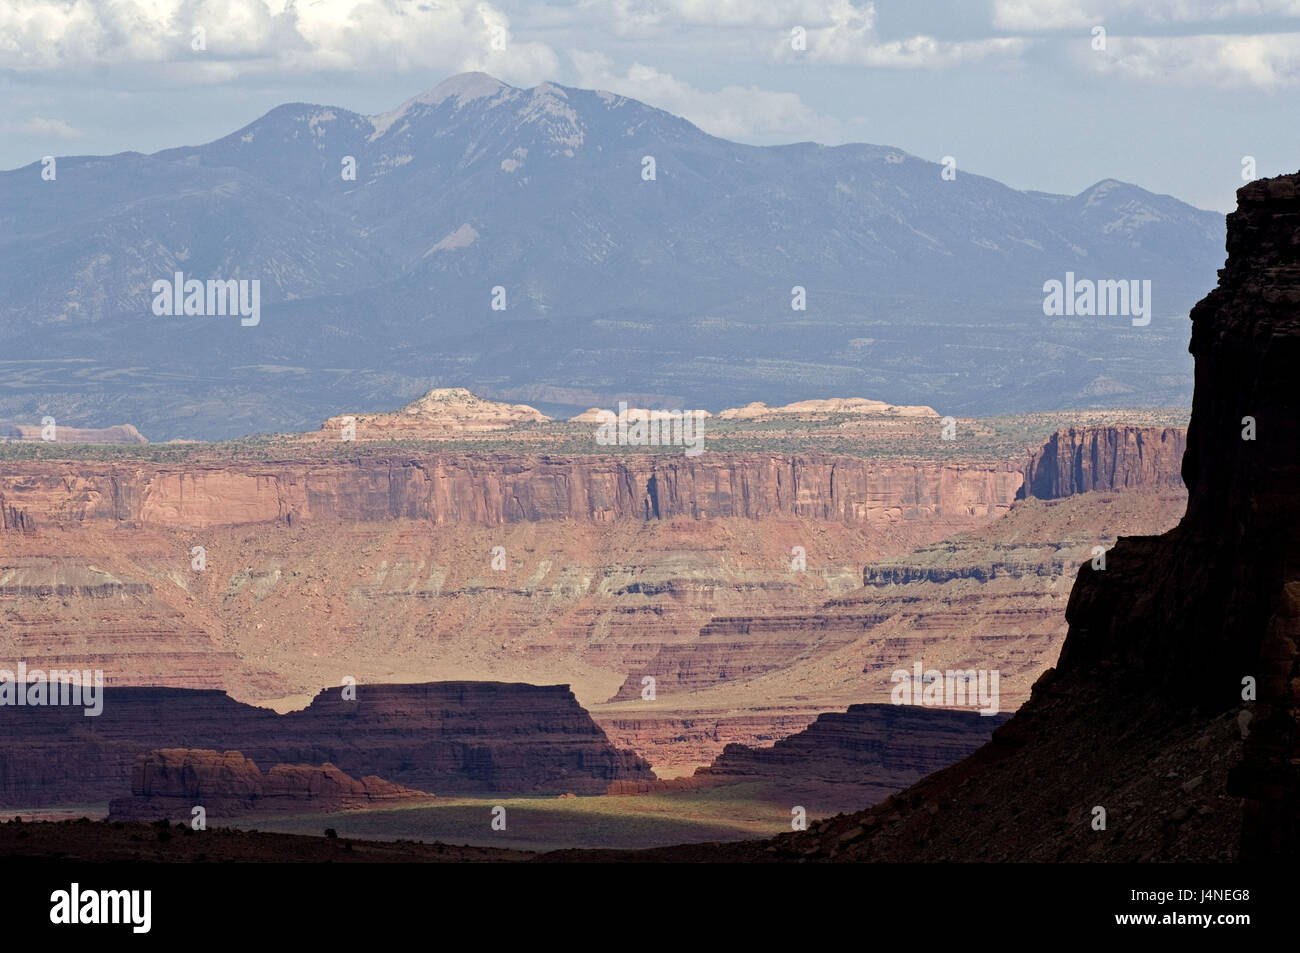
14, 520
440, 737
493, 489
171, 782
841, 761
1078, 460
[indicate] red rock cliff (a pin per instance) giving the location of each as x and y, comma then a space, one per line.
1078, 460
492, 489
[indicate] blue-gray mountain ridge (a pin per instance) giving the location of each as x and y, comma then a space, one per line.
674, 291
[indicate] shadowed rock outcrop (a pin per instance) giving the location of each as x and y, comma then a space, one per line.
842, 760
171, 782
444, 737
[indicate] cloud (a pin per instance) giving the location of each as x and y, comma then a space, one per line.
266, 36
1036, 15
851, 38
733, 112
1266, 61
40, 128
640, 15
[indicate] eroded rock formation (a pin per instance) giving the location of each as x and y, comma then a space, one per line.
496, 489
842, 760
443, 412
120, 433
708, 573
12, 519
1078, 460
444, 737
171, 782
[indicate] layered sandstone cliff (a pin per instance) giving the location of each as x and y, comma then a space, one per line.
444, 737
594, 569
842, 760
171, 782
12, 519
1078, 460
496, 489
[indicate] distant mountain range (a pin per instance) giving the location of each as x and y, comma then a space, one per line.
674, 291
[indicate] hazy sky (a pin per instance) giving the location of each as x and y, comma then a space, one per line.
1014, 89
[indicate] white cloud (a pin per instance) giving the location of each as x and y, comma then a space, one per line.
258, 36
1034, 15
1267, 61
40, 128
837, 31
639, 15
733, 112
918, 52
851, 38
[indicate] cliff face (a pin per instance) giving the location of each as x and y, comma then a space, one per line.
850, 758
1078, 460
171, 782
12, 519
615, 566
844, 759
1222, 578
493, 489
462, 737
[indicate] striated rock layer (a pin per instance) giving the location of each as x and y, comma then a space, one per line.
171, 782
1104, 458
993, 598
461, 737
589, 569
843, 760
496, 489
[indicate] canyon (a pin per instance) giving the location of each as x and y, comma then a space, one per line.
505, 551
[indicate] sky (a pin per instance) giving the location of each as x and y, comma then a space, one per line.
1054, 95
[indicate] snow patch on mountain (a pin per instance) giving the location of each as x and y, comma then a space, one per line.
317, 122
462, 237
515, 161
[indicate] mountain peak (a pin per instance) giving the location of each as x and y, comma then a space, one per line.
464, 87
